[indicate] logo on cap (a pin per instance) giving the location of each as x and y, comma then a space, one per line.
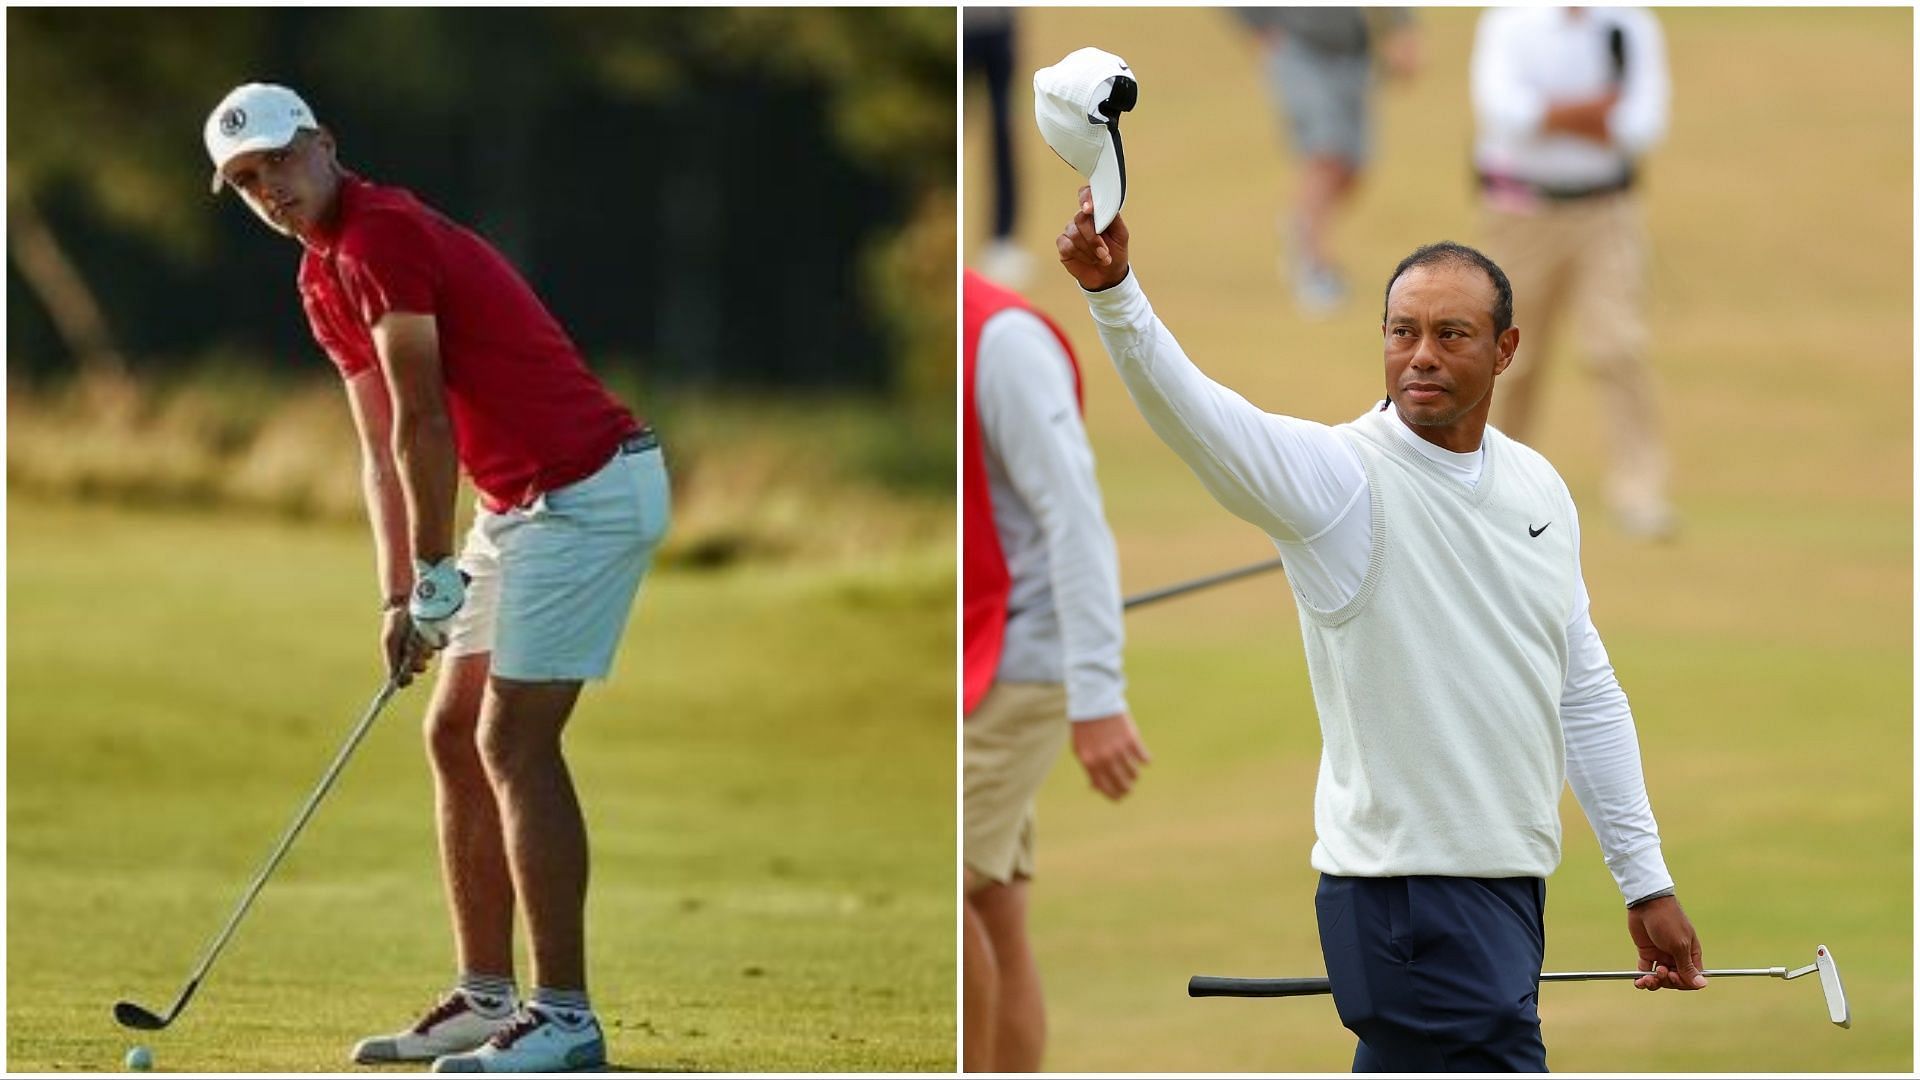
232, 122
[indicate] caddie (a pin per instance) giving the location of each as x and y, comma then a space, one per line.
450, 361
1042, 641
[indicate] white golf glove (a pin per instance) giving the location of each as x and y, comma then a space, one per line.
439, 591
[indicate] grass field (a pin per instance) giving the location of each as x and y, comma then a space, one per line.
768, 777
1768, 653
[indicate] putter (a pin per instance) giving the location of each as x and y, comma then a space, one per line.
136, 1016
1184, 587
1823, 963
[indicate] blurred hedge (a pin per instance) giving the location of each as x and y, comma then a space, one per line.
714, 198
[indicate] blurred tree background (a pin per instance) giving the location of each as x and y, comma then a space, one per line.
720, 205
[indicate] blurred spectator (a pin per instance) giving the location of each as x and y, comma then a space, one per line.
1567, 100
987, 46
1320, 62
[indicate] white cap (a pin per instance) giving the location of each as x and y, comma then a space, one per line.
1078, 103
256, 116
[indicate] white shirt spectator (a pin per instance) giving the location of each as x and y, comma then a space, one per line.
1527, 58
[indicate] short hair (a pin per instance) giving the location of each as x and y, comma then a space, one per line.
1446, 252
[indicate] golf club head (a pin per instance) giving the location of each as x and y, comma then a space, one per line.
133, 1016
1830, 984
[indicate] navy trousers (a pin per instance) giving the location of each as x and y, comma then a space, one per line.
1437, 974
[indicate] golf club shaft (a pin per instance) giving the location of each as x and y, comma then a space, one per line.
1183, 588
286, 840
1720, 973
1221, 986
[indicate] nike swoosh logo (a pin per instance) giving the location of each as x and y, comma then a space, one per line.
1531, 531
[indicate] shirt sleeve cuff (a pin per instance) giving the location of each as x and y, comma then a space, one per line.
1098, 709
1640, 873
1122, 305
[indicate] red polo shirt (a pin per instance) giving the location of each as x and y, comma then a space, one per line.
528, 416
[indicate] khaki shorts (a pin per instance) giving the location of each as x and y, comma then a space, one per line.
1012, 739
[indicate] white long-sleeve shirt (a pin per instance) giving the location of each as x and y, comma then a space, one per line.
1063, 607
1305, 487
1526, 59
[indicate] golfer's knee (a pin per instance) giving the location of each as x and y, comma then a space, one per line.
512, 751
454, 713
448, 729
520, 726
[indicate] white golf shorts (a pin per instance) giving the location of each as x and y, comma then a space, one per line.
553, 582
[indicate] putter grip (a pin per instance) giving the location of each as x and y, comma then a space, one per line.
1220, 986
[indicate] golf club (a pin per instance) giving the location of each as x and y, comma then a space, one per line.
1823, 963
136, 1016
1221, 578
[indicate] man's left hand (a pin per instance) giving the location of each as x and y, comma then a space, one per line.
1669, 946
439, 592
1109, 748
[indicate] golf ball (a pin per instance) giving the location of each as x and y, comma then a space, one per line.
140, 1059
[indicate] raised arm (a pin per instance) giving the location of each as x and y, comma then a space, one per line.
1292, 478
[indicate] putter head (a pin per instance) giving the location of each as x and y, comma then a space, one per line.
130, 1015
1830, 984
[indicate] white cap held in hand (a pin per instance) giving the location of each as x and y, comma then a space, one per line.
1077, 103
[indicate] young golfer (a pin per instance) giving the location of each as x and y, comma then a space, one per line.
451, 361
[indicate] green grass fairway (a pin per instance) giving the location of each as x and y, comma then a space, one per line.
1768, 653
768, 777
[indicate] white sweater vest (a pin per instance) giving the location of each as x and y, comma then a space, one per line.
1438, 685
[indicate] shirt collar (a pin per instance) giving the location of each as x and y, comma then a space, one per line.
1465, 468
326, 237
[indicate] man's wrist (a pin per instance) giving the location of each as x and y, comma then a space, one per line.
1120, 305
1655, 895
1640, 874
395, 601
